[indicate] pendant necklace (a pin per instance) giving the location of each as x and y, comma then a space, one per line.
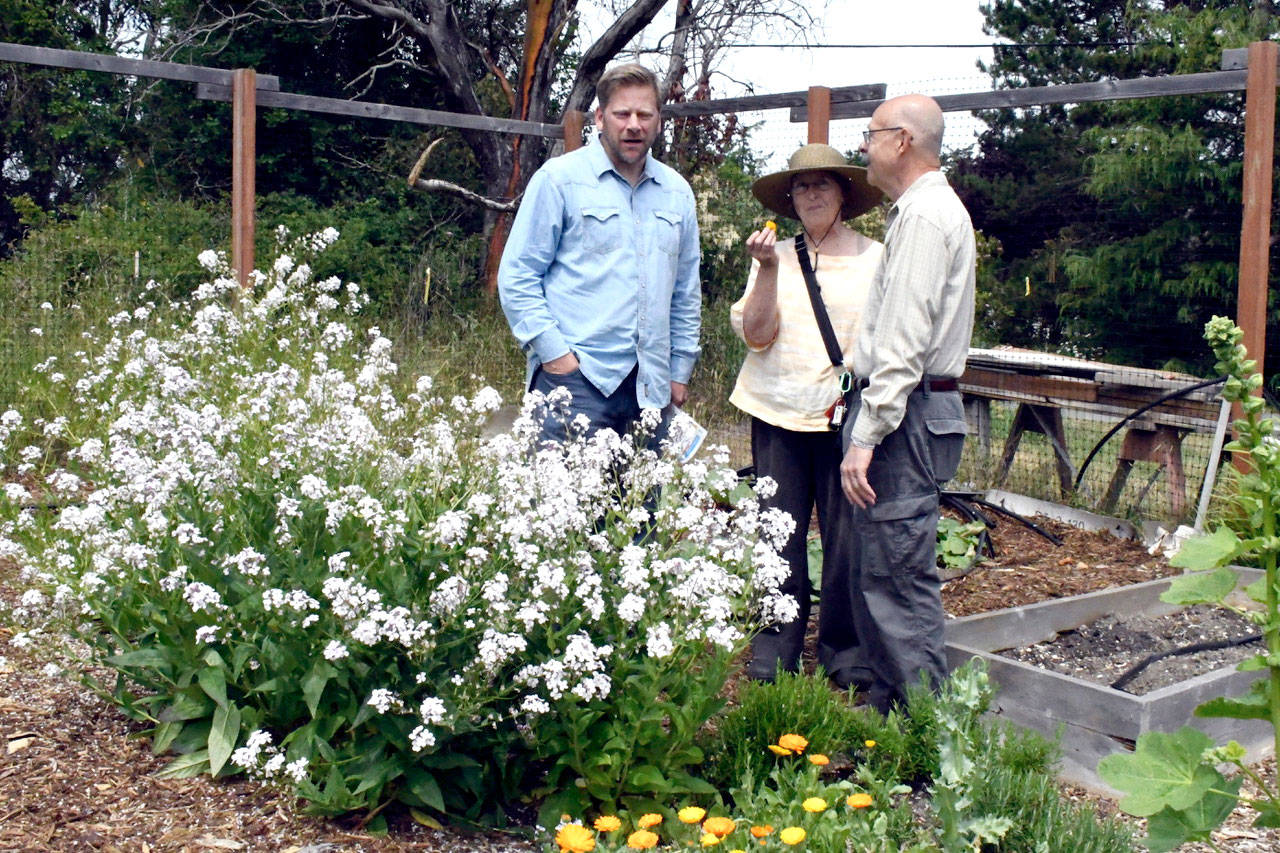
818, 243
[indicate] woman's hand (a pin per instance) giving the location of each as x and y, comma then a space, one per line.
761, 246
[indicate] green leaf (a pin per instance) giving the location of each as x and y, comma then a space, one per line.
223, 736
1268, 814
143, 658
313, 684
1200, 587
422, 789
185, 766
164, 734
647, 778
1251, 706
213, 681
1208, 552
1170, 828
1164, 771
190, 704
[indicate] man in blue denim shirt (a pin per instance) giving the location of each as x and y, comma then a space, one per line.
599, 279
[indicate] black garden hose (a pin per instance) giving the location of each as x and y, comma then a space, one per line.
1173, 395
1207, 646
973, 497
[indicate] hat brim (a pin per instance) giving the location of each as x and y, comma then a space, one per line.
774, 191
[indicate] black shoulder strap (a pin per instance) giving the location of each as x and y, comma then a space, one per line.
819, 308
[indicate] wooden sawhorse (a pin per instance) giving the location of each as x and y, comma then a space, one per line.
1157, 443
1046, 420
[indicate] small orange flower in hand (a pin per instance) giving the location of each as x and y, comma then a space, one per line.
795, 743
649, 820
607, 823
719, 826
772, 226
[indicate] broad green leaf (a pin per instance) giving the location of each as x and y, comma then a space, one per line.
1200, 587
425, 819
647, 778
1169, 828
1268, 814
423, 787
313, 685
163, 735
1208, 552
1251, 706
213, 681
1252, 664
185, 766
190, 704
223, 735
1164, 771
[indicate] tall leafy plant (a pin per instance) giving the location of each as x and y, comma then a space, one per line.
1173, 779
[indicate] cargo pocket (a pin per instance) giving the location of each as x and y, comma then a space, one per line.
946, 443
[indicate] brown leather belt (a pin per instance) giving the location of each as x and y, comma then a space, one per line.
944, 384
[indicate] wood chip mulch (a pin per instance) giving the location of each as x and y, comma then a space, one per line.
74, 775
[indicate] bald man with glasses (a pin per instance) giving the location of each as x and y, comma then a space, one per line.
906, 428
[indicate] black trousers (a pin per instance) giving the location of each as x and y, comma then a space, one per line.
806, 467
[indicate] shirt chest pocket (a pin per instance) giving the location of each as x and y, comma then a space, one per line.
602, 229
666, 236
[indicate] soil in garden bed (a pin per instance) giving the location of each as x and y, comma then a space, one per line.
1107, 648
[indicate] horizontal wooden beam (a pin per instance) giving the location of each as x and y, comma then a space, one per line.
82, 61
1208, 82
844, 94
1236, 59
365, 109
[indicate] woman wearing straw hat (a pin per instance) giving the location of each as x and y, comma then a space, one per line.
790, 380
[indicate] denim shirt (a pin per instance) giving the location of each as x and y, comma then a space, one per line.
606, 270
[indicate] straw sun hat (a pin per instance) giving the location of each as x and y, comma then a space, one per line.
774, 191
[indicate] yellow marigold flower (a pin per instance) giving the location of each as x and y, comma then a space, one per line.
795, 743
815, 805
738, 850
792, 835
869, 744
777, 750
719, 826
771, 225
642, 839
859, 801
691, 814
710, 839
761, 831
649, 820
819, 759
575, 838
607, 823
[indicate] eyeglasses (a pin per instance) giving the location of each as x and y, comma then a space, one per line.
818, 186
866, 134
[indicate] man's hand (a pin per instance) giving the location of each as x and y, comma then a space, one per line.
853, 476
679, 393
566, 363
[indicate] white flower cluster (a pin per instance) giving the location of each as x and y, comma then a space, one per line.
265, 761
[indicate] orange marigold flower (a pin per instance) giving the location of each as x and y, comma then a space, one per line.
642, 839
792, 835
761, 831
607, 823
816, 805
575, 838
795, 743
859, 801
709, 839
691, 814
719, 826
649, 820
819, 759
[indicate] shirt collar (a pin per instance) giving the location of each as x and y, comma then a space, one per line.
600, 162
931, 178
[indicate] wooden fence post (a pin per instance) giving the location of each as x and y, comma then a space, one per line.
573, 122
1255, 225
819, 114
243, 141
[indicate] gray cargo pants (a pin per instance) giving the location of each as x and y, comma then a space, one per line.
893, 578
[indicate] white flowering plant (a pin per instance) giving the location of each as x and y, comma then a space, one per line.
304, 566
